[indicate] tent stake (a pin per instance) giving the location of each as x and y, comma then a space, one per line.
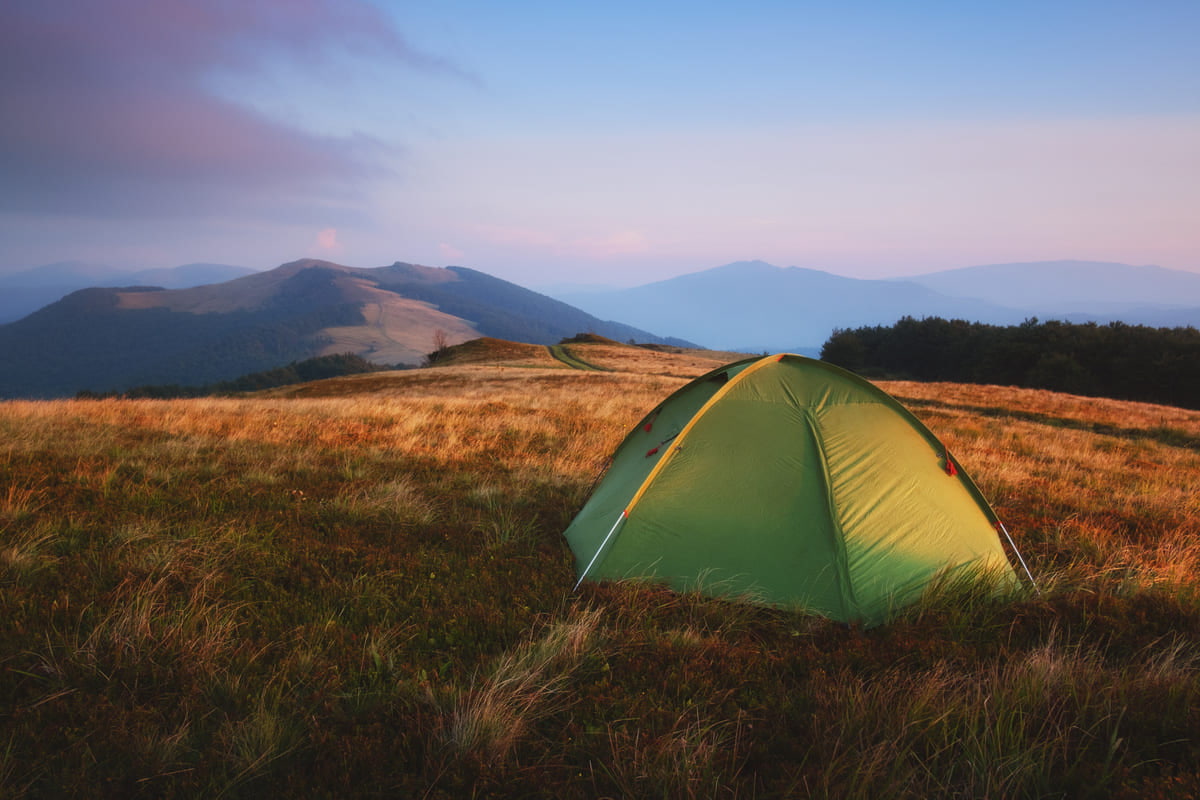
1013, 545
600, 549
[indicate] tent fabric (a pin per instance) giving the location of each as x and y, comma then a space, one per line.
792, 482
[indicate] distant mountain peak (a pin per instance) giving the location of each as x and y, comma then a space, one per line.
752, 264
1068, 285
300, 264
754, 305
758, 268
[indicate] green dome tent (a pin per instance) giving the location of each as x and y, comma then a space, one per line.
790, 481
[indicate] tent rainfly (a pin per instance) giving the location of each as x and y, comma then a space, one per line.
792, 482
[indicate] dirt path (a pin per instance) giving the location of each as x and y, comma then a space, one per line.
570, 359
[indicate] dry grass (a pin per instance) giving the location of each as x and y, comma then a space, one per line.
598, 352
498, 353
1112, 485
696, 757
1011, 400
359, 588
525, 685
646, 361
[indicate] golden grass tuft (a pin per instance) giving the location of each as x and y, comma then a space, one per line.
525, 685
150, 624
696, 758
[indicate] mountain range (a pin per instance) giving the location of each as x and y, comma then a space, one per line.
22, 293
755, 306
107, 338
111, 339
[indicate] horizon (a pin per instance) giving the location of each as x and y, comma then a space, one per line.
615, 146
570, 287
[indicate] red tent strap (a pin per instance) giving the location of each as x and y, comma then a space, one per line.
951, 470
655, 449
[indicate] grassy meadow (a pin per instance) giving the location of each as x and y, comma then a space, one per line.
359, 588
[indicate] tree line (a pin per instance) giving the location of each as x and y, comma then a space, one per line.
311, 369
1117, 360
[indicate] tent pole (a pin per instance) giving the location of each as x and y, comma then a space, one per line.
600, 549
1013, 545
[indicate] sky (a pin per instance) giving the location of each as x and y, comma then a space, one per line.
553, 143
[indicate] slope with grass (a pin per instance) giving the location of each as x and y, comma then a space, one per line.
359, 588
587, 352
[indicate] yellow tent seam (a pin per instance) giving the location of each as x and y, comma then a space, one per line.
678, 442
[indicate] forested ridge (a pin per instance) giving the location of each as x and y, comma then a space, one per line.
1125, 362
311, 369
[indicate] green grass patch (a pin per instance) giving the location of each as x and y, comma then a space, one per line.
567, 356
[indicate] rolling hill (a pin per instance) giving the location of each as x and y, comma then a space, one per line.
105, 339
586, 352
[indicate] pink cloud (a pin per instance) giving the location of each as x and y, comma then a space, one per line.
105, 111
327, 240
619, 243
449, 252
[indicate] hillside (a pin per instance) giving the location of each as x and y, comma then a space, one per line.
112, 339
586, 351
365, 592
485, 365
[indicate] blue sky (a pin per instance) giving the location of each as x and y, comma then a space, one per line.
557, 143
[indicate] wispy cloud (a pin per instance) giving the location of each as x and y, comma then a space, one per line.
106, 110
